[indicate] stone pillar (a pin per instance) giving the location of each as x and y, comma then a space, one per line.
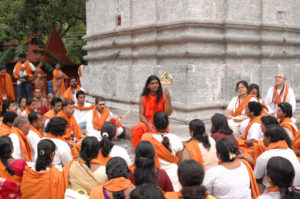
207, 46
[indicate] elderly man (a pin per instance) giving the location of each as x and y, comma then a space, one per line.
281, 92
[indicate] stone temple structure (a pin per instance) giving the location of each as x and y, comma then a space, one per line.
207, 46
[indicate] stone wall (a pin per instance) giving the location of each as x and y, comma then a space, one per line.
207, 46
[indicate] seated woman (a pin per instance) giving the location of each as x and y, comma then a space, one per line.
85, 173
43, 180
235, 113
118, 186
11, 170
147, 191
284, 114
191, 175
22, 105
167, 147
281, 175
232, 178
143, 170
107, 147
201, 147
254, 90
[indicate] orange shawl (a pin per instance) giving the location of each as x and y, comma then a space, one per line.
101, 160
286, 123
7, 176
68, 93
6, 87
194, 150
82, 108
39, 133
47, 184
178, 195
253, 184
243, 105
58, 85
160, 150
24, 144
277, 97
113, 185
99, 121
5, 130
49, 115
73, 126
151, 106
19, 67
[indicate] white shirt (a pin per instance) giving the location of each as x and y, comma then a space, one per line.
81, 115
62, 153
226, 183
272, 195
255, 132
33, 139
234, 104
17, 153
262, 160
118, 151
272, 106
24, 73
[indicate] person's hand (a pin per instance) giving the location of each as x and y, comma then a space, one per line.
237, 119
71, 143
149, 128
167, 94
22, 80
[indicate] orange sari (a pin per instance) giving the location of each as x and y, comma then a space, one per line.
6, 88
150, 108
24, 144
195, 152
58, 84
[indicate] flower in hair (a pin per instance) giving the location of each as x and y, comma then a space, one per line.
41, 152
231, 156
105, 134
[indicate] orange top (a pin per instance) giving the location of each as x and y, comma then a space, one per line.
39, 133
7, 176
151, 106
113, 185
99, 121
6, 87
82, 108
243, 105
277, 97
24, 144
253, 184
72, 126
19, 67
68, 93
194, 150
48, 184
287, 124
160, 150
5, 130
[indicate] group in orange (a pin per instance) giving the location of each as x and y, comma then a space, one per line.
70, 151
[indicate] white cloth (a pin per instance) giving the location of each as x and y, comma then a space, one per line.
118, 151
62, 153
209, 156
226, 183
272, 195
262, 160
33, 139
255, 132
171, 168
81, 115
17, 153
234, 104
270, 99
24, 73
289, 133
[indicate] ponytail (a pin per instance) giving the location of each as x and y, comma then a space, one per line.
89, 150
5, 151
166, 142
108, 132
198, 129
45, 148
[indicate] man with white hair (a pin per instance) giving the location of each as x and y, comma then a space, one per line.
281, 92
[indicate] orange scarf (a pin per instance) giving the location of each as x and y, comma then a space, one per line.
28, 111
19, 67
5, 130
73, 126
68, 93
101, 160
24, 144
281, 144
242, 105
254, 188
49, 115
6, 87
151, 106
99, 121
272, 188
277, 97
113, 185
47, 184
286, 123
194, 150
160, 150
255, 120
7, 176
82, 108
39, 133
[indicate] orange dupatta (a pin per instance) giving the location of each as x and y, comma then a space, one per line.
48, 184
73, 126
253, 184
99, 121
194, 150
4, 174
24, 144
277, 97
19, 67
287, 124
113, 185
68, 93
243, 105
160, 150
58, 85
6, 87
5, 130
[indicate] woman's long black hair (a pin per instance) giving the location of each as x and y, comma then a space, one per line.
6, 148
89, 149
219, 123
146, 90
198, 128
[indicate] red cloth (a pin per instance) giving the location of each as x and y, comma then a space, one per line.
162, 180
18, 166
219, 135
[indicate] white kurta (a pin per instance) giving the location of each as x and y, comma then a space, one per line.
81, 115
17, 153
33, 139
255, 132
270, 99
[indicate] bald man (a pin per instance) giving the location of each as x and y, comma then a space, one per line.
280, 92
